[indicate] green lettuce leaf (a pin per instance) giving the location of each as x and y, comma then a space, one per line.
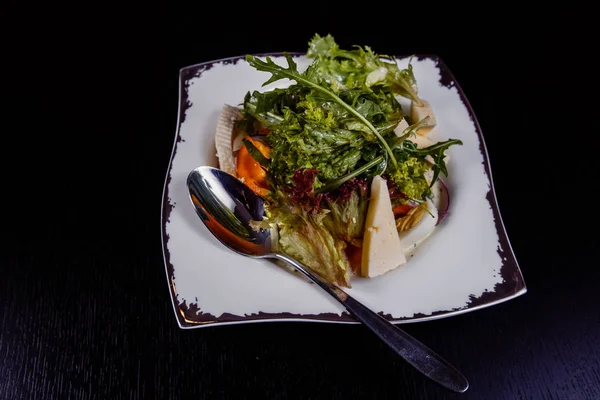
305, 141
348, 211
410, 177
360, 68
304, 236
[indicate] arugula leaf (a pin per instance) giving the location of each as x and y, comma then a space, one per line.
292, 73
440, 166
276, 100
330, 165
266, 119
309, 139
437, 153
369, 109
338, 182
430, 150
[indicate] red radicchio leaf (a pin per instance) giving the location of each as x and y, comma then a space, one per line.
301, 191
444, 202
345, 190
393, 189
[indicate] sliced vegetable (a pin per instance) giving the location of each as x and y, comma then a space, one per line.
440, 196
401, 209
250, 170
354, 255
410, 239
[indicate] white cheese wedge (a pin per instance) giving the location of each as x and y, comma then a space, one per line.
382, 250
418, 113
402, 125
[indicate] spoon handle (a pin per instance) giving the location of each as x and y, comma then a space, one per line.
414, 352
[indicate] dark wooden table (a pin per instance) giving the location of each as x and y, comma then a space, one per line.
85, 311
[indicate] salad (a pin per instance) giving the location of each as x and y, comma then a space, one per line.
351, 180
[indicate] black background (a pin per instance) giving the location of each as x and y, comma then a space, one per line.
85, 311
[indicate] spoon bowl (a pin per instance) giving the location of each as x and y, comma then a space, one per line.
227, 206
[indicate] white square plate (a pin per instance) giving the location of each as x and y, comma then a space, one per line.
466, 264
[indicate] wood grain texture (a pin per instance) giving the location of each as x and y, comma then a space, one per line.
84, 306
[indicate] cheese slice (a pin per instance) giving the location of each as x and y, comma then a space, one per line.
422, 142
382, 250
402, 125
224, 138
418, 113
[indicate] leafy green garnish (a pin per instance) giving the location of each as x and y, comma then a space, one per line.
340, 181
413, 165
298, 143
361, 68
410, 177
310, 80
330, 119
437, 153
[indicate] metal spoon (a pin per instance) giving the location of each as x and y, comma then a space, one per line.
226, 205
